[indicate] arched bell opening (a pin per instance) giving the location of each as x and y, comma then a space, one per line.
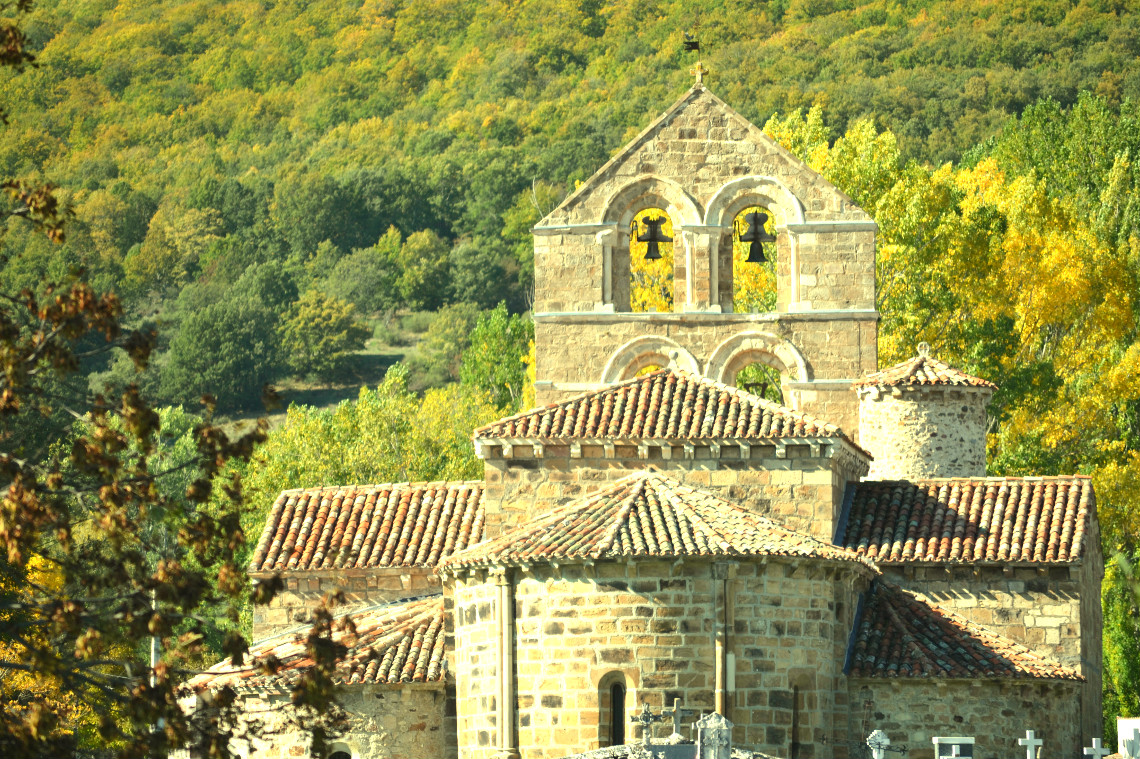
651, 262
740, 286
751, 261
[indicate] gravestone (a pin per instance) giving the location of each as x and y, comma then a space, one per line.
714, 737
1096, 751
878, 741
945, 746
1032, 743
1130, 744
679, 715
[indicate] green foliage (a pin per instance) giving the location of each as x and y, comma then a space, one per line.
230, 349
423, 279
443, 344
386, 435
1121, 606
494, 362
366, 278
319, 333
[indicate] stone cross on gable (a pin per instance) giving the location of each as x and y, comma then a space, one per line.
699, 72
646, 718
678, 714
1031, 743
1096, 751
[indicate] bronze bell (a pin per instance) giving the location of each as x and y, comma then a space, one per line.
756, 236
652, 237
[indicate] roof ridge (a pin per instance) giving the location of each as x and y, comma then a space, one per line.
625, 508
692, 512
536, 423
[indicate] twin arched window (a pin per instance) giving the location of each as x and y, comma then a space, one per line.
743, 286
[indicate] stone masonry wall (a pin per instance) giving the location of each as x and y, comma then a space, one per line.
473, 655
917, 434
995, 712
361, 587
801, 491
701, 146
1040, 610
575, 349
653, 622
385, 722
1055, 612
704, 161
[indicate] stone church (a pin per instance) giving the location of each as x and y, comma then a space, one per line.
812, 569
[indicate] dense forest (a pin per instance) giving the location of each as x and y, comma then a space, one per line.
309, 194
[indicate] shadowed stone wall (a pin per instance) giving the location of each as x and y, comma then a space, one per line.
995, 712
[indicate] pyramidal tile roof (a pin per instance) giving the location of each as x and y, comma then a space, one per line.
664, 405
1031, 519
922, 370
395, 643
646, 515
403, 524
901, 635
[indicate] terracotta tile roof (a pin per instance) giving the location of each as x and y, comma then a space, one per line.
970, 520
395, 643
922, 370
901, 635
646, 515
406, 524
664, 405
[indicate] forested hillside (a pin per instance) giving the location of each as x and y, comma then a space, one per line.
297, 191
235, 165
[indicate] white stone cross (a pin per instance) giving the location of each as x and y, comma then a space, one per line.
1132, 745
1096, 751
1031, 743
678, 714
878, 741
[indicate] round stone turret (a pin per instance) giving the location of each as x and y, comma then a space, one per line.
924, 418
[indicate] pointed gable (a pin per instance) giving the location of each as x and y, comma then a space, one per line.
646, 515
663, 405
698, 143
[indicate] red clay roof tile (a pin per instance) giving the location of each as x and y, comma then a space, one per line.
922, 370
902, 635
663, 405
646, 515
395, 643
404, 524
970, 520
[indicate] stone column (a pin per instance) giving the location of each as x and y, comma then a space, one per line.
698, 243
508, 743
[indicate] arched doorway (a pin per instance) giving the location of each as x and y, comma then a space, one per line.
753, 282
650, 265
